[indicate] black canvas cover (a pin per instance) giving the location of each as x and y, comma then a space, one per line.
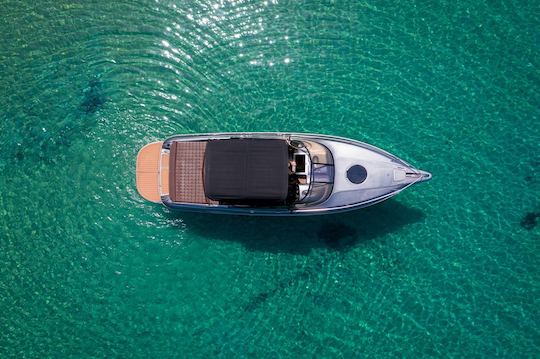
246, 170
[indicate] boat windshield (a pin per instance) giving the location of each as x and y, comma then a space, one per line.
319, 174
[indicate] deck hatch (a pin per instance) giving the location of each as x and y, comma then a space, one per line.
357, 174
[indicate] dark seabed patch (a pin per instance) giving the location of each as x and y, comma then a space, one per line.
260, 298
337, 235
530, 220
44, 145
93, 98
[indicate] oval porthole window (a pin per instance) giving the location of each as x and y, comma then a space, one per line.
357, 174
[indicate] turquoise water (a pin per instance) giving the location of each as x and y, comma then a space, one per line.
450, 268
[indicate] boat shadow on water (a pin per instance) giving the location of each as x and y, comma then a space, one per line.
299, 235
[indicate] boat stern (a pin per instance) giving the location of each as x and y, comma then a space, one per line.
152, 175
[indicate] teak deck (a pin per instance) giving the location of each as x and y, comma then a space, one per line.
186, 175
181, 174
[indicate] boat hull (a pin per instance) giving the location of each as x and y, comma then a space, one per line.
387, 176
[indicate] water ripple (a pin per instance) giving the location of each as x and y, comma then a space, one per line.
87, 263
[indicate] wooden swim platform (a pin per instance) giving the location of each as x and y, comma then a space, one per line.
149, 178
178, 173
